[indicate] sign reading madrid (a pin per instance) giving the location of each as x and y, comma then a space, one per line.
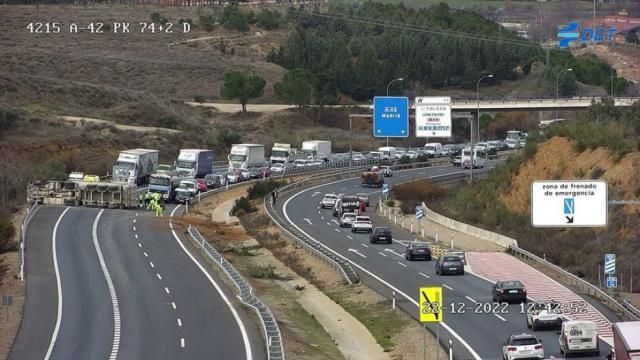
433, 116
569, 203
390, 116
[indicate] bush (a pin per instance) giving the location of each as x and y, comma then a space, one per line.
8, 118
199, 98
156, 17
261, 189
415, 193
264, 272
235, 19
7, 234
227, 137
242, 206
268, 19
207, 22
391, 203
51, 170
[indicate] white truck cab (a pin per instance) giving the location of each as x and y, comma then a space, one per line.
433, 149
388, 152
478, 158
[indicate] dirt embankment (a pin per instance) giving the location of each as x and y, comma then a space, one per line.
558, 159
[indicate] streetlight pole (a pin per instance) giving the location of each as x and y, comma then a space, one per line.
391, 82
558, 87
350, 138
612, 82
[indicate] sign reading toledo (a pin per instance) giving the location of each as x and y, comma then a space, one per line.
433, 116
569, 203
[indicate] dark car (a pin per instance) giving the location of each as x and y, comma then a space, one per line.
363, 197
381, 234
213, 180
417, 250
509, 291
449, 264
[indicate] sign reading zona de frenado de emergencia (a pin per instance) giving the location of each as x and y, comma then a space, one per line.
433, 116
569, 203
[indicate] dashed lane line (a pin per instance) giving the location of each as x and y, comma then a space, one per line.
159, 276
401, 264
424, 275
471, 299
166, 289
173, 305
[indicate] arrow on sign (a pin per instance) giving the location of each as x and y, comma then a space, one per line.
427, 298
569, 219
393, 252
357, 252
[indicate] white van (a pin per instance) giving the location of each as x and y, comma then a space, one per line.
578, 337
433, 149
388, 152
478, 158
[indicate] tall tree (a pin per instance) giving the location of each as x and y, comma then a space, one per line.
243, 86
296, 87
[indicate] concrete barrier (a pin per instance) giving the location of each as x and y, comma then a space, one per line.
500, 240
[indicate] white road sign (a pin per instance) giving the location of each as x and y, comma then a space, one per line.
433, 116
569, 203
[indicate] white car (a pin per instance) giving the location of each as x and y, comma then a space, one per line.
578, 337
541, 315
328, 201
386, 171
400, 154
523, 346
362, 223
347, 219
411, 154
278, 168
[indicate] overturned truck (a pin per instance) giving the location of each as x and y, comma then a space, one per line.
71, 193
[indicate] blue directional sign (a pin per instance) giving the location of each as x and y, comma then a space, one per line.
610, 264
385, 189
419, 213
390, 116
612, 282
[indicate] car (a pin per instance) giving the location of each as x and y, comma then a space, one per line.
578, 336
191, 185
374, 155
363, 197
183, 194
509, 291
411, 154
278, 168
386, 171
512, 144
417, 250
201, 185
235, 176
381, 234
213, 180
399, 154
259, 172
301, 163
543, 315
523, 346
456, 160
362, 223
347, 219
328, 201
449, 264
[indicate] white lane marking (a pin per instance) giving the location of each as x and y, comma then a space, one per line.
134, 228
136, 214
319, 212
139, 245
112, 291
309, 221
328, 223
448, 287
343, 189
182, 342
166, 289
337, 230
424, 275
159, 277
393, 252
383, 254
500, 317
145, 254
173, 305
358, 252
401, 264
335, 221
243, 331
171, 226
322, 217
151, 264
365, 245
134, 220
315, 193
179, 322
136, 235
473, 353
349, 237
471, 299
56, 329
425, 173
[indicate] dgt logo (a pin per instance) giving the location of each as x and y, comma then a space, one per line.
573, 33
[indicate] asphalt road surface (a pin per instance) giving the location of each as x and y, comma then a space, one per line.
382, 266
130, 289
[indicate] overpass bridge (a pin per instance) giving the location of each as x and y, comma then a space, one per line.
460, 105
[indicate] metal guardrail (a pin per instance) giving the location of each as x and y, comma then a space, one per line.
23, 230
629, 306
583, 285
272, 334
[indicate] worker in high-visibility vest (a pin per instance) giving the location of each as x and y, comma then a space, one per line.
147, 200
157, 207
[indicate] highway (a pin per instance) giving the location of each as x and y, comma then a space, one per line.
384, 268
109, 284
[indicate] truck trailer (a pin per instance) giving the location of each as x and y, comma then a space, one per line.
245, 156
194, 163
316, 149
626, 340
74, 193
135, 166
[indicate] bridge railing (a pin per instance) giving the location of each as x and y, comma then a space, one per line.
31, 210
